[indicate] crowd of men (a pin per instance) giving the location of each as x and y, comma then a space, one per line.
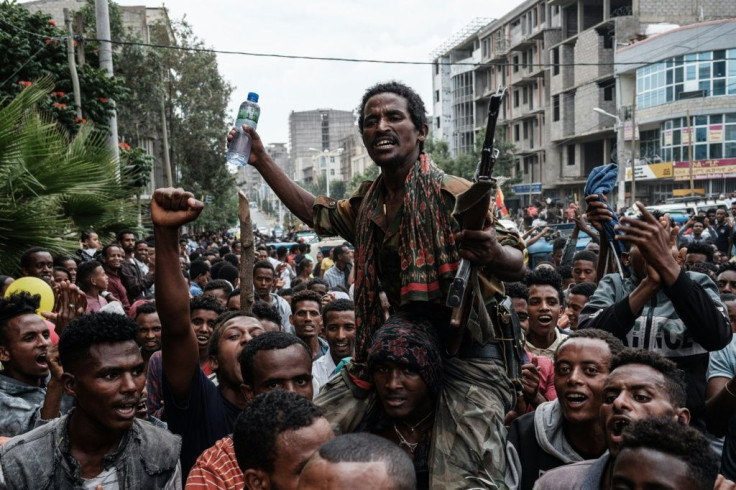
149, 374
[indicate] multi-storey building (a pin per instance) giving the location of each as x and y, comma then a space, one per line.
315, 131
684, 98
355, 159
556, 58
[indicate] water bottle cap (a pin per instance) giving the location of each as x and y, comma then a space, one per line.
252, 96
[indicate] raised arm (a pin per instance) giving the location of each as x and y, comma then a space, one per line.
171, 208
299, 201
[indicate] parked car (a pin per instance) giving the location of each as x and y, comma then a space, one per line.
541, 250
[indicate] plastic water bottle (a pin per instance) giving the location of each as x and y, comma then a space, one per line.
239, 150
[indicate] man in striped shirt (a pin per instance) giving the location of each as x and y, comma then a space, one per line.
273, 358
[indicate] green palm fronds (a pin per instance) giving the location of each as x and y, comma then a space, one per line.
52, 186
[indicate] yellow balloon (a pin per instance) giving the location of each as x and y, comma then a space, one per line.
34, 286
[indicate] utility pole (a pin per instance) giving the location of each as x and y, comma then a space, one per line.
165, 135
102, 15
633, 153
690, 153
72, 63
79, 20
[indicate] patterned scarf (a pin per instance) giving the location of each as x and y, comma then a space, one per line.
412, 343
427, 251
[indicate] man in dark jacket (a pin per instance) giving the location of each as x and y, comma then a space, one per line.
100, 443
660, 307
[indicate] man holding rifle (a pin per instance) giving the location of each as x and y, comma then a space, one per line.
409, 245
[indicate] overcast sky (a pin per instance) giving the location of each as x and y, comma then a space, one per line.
407, 30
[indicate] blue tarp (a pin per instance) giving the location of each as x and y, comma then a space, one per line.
601, 181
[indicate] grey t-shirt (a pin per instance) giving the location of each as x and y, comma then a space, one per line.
723, 365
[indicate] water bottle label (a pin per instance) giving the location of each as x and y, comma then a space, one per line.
249, 111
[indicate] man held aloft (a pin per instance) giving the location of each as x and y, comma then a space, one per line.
413, 261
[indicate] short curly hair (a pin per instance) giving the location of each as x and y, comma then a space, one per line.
263, 420
702, 249
586, 289
668, 436
205, 302
414, 103
337, 305
363, 447
85, 272
587, 255
517, 290
95, 328
264, 311
305, 295
267, 341
728, 266
21, 303
25, 259
614, 344
675, 383
545, 277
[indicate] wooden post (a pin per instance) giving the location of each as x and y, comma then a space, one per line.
72, 63
247, 253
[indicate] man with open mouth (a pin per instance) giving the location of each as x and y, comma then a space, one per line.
568, 429
545, 305
100, 443
29, 394
641, 384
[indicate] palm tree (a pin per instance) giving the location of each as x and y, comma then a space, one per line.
53, 185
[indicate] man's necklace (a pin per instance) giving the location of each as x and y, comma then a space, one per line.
411, 446
413, 427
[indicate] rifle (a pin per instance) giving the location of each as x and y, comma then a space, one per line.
473, 218
470, 209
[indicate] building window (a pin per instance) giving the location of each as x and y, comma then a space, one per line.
516, 98
571, 154
711, 72
555, 107
516, 64
608, 90
608, 41
525, 128
556, 61
525, 95
437, 122
714, 137
436, 95
436, 68
516, 132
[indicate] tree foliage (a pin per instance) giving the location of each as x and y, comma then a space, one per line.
33, 48
464, 165
51, 184
195, 98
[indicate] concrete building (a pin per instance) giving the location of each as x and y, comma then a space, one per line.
313, 132
688, 87
355, 158
556, 57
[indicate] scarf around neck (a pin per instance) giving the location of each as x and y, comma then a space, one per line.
427, 251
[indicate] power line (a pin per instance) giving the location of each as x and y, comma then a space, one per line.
334, 58
360, 60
